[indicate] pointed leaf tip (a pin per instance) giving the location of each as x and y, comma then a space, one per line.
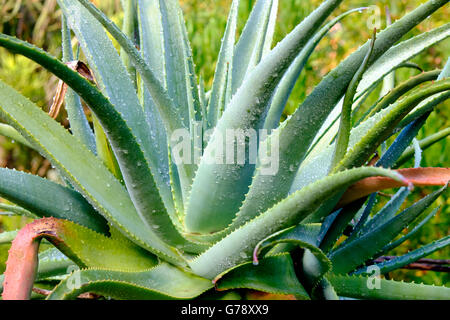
409, 177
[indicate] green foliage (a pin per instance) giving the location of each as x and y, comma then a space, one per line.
170, 227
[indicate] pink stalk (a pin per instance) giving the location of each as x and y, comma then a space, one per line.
22, 263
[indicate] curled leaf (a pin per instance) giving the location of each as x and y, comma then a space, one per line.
417, 176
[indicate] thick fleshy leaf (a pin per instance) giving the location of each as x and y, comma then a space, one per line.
53, 263
402, 52
224, 185
175, 57
177, 193
417, 176
284, 89
168, 110
358, 104
297, 133
422, 113
90, 249
128, 28
110, 73
82, 168
366, 288
162, 282
325, 290
424, 107
354, 253
48, 199
13, 134
370, 130
363, 216
8, 236
303, 235
13, 210
186, 169
403, 140
217, 101
152, 48
391, 58
75, 112
203, 100
368, 144
389, 79
315, 263
104, 150
338, 225
424, 144
152, 37
255, 40
238, 246
175, 116
399, 241
393, 95
194, 102
87, 248
314, 270
386, 213
345, 124
130, 139
410, 257
274, 274
316, 166
179, 72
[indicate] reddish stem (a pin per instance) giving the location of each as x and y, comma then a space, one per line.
22, 261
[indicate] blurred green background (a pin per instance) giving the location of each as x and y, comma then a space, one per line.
38, 21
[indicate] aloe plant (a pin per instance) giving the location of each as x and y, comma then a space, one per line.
129, 220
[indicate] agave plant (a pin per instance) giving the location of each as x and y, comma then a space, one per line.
130, 220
